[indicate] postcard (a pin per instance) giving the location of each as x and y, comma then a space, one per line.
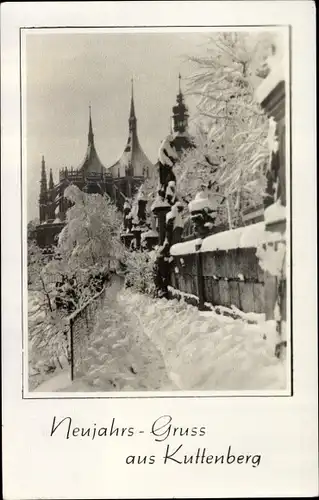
159, 305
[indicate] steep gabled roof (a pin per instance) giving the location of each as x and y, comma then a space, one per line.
91, 162
133, 158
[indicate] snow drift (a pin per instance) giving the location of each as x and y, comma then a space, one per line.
145, 344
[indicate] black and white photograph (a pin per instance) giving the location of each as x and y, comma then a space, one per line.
156, 199
158, 216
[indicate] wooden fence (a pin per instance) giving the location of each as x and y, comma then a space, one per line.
223, 277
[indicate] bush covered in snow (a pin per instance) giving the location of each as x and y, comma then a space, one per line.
139, 274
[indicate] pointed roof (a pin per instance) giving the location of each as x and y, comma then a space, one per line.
51, 183
43, 180
133, 158
132, 110
180, 111
182, 139
91, 162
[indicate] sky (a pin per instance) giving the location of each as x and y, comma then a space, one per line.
67, 72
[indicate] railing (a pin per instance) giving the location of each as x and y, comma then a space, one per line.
81, 324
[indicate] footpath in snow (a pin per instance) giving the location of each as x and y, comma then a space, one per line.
146, 344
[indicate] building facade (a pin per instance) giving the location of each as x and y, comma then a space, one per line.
120, 181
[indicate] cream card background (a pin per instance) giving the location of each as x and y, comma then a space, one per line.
282, 429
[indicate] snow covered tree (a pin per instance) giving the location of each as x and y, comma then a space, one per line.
91, 238
232, 148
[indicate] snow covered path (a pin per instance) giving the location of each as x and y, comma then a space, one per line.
55, 383
145, 344
209, 351
121, 355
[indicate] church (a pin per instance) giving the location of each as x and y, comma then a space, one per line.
120, 180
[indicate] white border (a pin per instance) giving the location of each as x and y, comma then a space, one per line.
284, 430
284, 31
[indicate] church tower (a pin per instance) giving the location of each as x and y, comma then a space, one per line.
182, 139
91, 163
133, 166
51, 197
43, 198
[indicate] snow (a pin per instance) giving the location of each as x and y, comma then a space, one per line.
273, 258
206, 352
276, 74
159, 203
149, 234
222, 241
202, 201
141, 343
176, 215
275, 213
268, 84
55, 383
272, 139
179, 293
252, 235
187, 247
243, 237
166, 151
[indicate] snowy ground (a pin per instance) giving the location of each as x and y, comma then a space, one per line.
140, 343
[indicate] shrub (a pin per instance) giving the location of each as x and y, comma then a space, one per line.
139, 274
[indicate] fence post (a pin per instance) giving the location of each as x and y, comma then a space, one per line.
200, 278
71, 349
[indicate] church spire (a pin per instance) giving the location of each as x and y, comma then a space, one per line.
132, 119
133, 161
91, 162
180, 111
43, 199
43, 181
51, 183
90, 135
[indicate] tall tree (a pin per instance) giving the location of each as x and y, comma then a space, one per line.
232, 150
91, 237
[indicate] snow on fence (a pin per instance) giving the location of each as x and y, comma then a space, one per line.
224, 272
81, 324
